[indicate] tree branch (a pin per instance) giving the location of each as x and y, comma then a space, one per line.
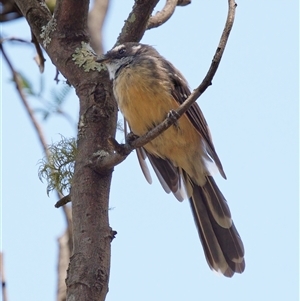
64, 37
65, 242
37, 15
95, 23
183, 2
39, 58
63, 201
122, 150
162, 16
35, 123
42, 139
71, 19
136, 23
62, 266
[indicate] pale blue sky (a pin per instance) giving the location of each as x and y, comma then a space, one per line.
252, 109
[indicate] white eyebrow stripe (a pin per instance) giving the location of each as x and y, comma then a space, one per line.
136, 48
119, 47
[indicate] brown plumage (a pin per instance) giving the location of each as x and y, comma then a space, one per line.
147, 87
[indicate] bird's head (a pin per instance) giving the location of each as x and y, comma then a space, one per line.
123, 55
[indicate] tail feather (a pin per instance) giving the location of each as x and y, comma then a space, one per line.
217, 203
223, 247
209, 240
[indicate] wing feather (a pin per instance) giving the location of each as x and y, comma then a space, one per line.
180, 92
142, 160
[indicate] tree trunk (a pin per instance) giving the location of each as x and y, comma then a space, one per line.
64, 37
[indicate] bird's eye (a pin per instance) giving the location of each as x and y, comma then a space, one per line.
122, 51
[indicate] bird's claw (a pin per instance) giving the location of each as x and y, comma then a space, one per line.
174, 116
131, 137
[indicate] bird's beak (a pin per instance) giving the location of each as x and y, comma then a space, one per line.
102, 59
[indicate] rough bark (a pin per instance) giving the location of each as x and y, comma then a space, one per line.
64, 35
89, 267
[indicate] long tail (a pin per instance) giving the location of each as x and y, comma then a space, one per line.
223, 247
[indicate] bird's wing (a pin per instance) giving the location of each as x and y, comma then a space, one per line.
180, 92
167, 174
142, 155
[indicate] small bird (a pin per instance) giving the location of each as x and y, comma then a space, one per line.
147, 88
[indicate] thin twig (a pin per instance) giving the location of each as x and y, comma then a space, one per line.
62, 266
183, 2
63, 201
200, 89
56, 76
40, 59
30, 112
117, 157
67, 211
162, 16
16, 78
13, 39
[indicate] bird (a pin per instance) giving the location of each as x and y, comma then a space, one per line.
147, 87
